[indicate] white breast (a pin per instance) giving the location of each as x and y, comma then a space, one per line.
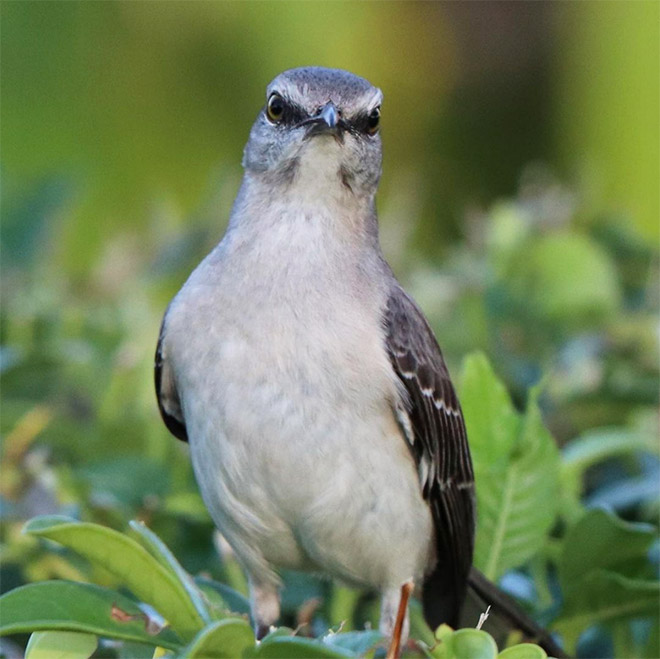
287, 393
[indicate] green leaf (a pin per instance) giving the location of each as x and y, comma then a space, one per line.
523, 651
600, 540
583, 289
294, 647
77, 607
225, 639
473, 643
466, 643
159, 550
278, 631
604, 597
491, 420
589, 449
516, 466
443, 631
343, 603
186, 505
126, 480
357, 642
231, 599
60, 645
652, 646
131, 563
599, 444
132, 650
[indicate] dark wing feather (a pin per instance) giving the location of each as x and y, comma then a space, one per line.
168, 397
440, 448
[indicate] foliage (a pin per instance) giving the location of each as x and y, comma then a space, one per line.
119, 165
67, 616
602, 562
148, 109
516, 466
83, 438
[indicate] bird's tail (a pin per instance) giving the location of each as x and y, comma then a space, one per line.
504, 616
442, 600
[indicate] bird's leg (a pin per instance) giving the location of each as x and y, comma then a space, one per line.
394, 619
264, 606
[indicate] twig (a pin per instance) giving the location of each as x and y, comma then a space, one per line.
483, 617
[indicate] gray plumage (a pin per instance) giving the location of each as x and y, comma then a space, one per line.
324, 430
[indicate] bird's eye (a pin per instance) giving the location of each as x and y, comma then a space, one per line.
373, 120
275, 108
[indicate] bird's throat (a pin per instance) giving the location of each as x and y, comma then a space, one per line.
318, 172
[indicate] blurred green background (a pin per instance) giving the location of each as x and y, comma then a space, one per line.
519, 204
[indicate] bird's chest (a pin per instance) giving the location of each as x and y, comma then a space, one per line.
287, 392
287, 343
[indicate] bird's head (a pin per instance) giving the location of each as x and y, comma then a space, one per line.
318, 127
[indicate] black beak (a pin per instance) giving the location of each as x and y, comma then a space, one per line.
326, 121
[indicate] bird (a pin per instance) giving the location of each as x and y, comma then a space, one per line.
324, 429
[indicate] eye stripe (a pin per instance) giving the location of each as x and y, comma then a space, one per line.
361, 123
293, 114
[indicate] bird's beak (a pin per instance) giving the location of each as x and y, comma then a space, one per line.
326, 121
329, 115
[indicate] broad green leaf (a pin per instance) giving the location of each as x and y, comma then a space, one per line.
225, 639
186, 505
472, 643
516, 469
466, 643
589, 449
231, 599
357, 642
77, 607
159, 550
343, 602
129, 562
599, 444
60, 645
216, 605
492, 423
132, 650
278, 631
523, 651
604, 597
600, 540
583, 288
294, 647
443, 631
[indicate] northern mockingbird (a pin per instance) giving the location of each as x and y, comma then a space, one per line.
324, 429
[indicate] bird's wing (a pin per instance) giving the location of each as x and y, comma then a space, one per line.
168, 397
432, 420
